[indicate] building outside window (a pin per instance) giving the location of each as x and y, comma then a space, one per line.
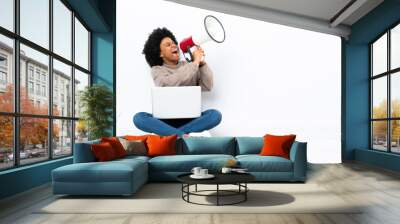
30, 72
30, 87
44, 77
3, 81
3, 78
38, 89
37, 75
3, 72
44, 91
3, 60
55, 96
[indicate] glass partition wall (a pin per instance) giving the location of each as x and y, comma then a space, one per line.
44, 58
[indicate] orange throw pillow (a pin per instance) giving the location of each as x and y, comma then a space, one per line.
161, 145
136, 137
116, 145
103, 152
277, 145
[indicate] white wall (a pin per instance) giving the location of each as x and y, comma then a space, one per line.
268, 78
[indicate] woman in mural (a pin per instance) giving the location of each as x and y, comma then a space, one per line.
162, 54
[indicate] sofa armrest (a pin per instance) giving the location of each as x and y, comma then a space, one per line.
298, 155
83, 152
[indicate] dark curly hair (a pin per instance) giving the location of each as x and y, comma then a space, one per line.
151, 48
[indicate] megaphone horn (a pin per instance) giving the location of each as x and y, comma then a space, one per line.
214, 31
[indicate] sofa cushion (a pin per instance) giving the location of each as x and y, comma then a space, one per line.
134, 147
136, 137
257, 163
249, 145
275, 145
111, 171
185, 163
103, 152
208, 145
116, 145
161, 145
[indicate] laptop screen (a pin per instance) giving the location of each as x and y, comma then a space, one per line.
176, 102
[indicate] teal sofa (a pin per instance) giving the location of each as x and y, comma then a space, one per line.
125, 176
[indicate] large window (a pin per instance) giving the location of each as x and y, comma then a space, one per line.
44, 64
385, 91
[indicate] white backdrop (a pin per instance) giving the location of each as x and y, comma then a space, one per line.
268, 78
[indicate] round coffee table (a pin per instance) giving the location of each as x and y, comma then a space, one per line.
238, 179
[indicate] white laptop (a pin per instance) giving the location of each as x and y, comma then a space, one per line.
176, 102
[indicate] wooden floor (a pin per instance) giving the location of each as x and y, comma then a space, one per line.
377, 188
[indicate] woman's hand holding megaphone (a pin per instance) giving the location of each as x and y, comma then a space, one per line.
198, 56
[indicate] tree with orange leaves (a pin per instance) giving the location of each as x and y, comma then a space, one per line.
380, 127
33, 130
6, 122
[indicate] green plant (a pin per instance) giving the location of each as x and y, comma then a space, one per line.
96, 102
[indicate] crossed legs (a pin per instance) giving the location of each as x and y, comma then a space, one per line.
146, 122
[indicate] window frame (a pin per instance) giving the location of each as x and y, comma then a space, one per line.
3, 71
3, 74
15, 72
388, 74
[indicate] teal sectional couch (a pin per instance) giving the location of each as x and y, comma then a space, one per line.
125, 176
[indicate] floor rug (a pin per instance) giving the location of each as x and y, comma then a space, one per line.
167, 198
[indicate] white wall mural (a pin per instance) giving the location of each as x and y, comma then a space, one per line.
268, 78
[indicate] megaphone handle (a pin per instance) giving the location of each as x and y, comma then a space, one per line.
190, 54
